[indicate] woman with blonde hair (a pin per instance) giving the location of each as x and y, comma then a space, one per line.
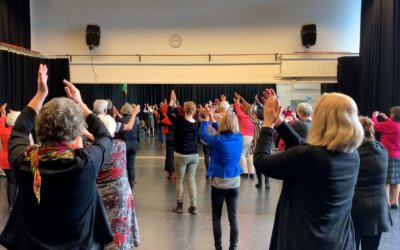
186, 154
224, 170
314, 208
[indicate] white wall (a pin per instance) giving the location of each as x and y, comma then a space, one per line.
207, 26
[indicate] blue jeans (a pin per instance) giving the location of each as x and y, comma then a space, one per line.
231, 197
186, 165
159, 133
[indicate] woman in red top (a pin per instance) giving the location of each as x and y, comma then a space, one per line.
6, 125
390, 138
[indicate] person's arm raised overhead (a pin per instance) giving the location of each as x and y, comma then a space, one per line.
132, 119
74, 94
42, 90
19, 138
101, 147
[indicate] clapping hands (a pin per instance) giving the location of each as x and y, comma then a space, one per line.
272, 109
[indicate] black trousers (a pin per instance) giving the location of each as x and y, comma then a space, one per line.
169, 153
368, 242
259, 177
12, 187
231, 197
131, 150
207, 155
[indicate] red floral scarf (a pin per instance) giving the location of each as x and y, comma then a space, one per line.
47, 152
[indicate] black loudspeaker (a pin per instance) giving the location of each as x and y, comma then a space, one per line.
308, 34
92, 35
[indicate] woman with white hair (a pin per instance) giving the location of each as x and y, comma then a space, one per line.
7, 122
58, 205
319, 177
117, 196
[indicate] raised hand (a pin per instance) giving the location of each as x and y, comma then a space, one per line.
136, 110
72, 92
384, 116
272, 109
375, 114
42, 81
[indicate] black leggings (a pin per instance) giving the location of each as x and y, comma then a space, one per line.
11, 187
231, 197
368, 242
131, 150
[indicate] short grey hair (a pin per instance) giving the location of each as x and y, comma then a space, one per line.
99, 106
305, 109
61, 119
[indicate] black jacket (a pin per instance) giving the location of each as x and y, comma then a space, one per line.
370, 211
70, 214
314, 208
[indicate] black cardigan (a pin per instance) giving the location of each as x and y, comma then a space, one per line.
370, 211
71, 214
314, 208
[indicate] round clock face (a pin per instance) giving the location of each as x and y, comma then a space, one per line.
175, 41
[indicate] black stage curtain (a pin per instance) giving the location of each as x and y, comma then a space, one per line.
18, 78
15, 22
155, 93
328, 88
348, 73
379, 87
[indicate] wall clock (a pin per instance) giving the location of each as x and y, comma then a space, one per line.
175, 41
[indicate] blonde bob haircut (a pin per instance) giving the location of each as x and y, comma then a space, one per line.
126, 109
335, 124
228, 124
189, 107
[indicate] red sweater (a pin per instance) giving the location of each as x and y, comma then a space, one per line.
4, 135
390, 135
245, 123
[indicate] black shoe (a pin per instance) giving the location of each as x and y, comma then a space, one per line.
178, 208
192, 210
245, 175
258, 185
394, 206
252, 176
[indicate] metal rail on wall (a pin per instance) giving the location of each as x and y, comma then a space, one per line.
209, 59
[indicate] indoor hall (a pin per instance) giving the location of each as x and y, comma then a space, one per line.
160, 228
202, 49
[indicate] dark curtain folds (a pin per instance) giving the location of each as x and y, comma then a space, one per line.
348, 72
155, 93
15, 22
328, 88
18, 78
379, 87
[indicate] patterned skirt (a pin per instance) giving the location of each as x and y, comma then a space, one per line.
393, 173
119, 202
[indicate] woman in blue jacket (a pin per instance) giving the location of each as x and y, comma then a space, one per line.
224, 169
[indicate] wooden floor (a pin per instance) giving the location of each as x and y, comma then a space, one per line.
162, 229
